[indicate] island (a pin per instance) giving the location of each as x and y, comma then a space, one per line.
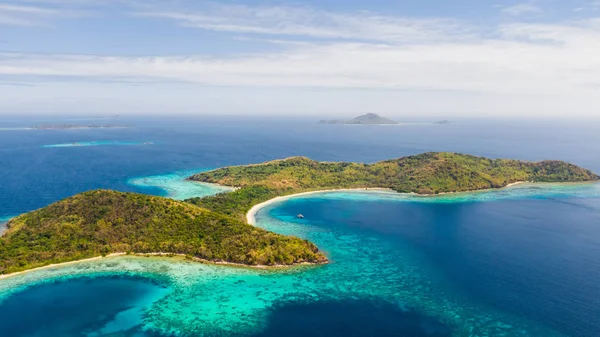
424, 174
76, 127
100, 223
218, 229
366, 119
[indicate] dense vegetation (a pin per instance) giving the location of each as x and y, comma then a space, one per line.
239, 202
213, 228
103, 222
429, 173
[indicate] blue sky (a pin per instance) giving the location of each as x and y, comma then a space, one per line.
414, 58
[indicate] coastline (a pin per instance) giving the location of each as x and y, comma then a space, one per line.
517, 183
251, 219
165, 255
473, 191
251, 215
225, 188
2, 277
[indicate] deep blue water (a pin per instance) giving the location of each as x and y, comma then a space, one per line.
79, 307
349, 318
32, 176
535, 258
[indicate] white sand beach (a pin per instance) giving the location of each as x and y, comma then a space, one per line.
60, 265
251, 215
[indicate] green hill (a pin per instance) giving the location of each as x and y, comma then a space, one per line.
103, 222
214, 229
429, 173
366, 119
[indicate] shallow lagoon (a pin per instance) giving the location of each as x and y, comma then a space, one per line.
96, 143
176, 186
375, 269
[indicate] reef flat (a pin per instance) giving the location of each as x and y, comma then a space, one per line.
366, 270
97, 143
177, 186
106, 222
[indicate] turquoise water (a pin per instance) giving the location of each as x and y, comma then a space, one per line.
520, 191
97, 143
3, 221
5, 218
368, 269
176, 186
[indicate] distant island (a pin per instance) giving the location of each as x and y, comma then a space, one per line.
75, 126
367, 119
216, 228
445, 121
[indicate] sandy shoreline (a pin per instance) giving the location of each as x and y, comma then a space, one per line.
60, 265
251, 215
517, 183
213, 185
195, 259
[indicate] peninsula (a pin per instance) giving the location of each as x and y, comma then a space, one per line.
425, 174
366, 119
216, 229
100, 223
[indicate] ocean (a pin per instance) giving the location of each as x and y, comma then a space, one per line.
516, 262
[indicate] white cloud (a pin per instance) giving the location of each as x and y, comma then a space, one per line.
362, 59
522, 9
18, 15
26, 9
514, 64
307, 22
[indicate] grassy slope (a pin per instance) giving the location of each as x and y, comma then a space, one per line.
103, 222
428, 173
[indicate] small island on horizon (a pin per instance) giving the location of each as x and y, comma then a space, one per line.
372, 119
366, 119
219, 228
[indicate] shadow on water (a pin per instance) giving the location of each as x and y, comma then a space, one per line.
350, 318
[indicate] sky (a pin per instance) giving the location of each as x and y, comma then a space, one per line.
472, 58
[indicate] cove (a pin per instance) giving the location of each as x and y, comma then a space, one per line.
395, 264
531, 256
